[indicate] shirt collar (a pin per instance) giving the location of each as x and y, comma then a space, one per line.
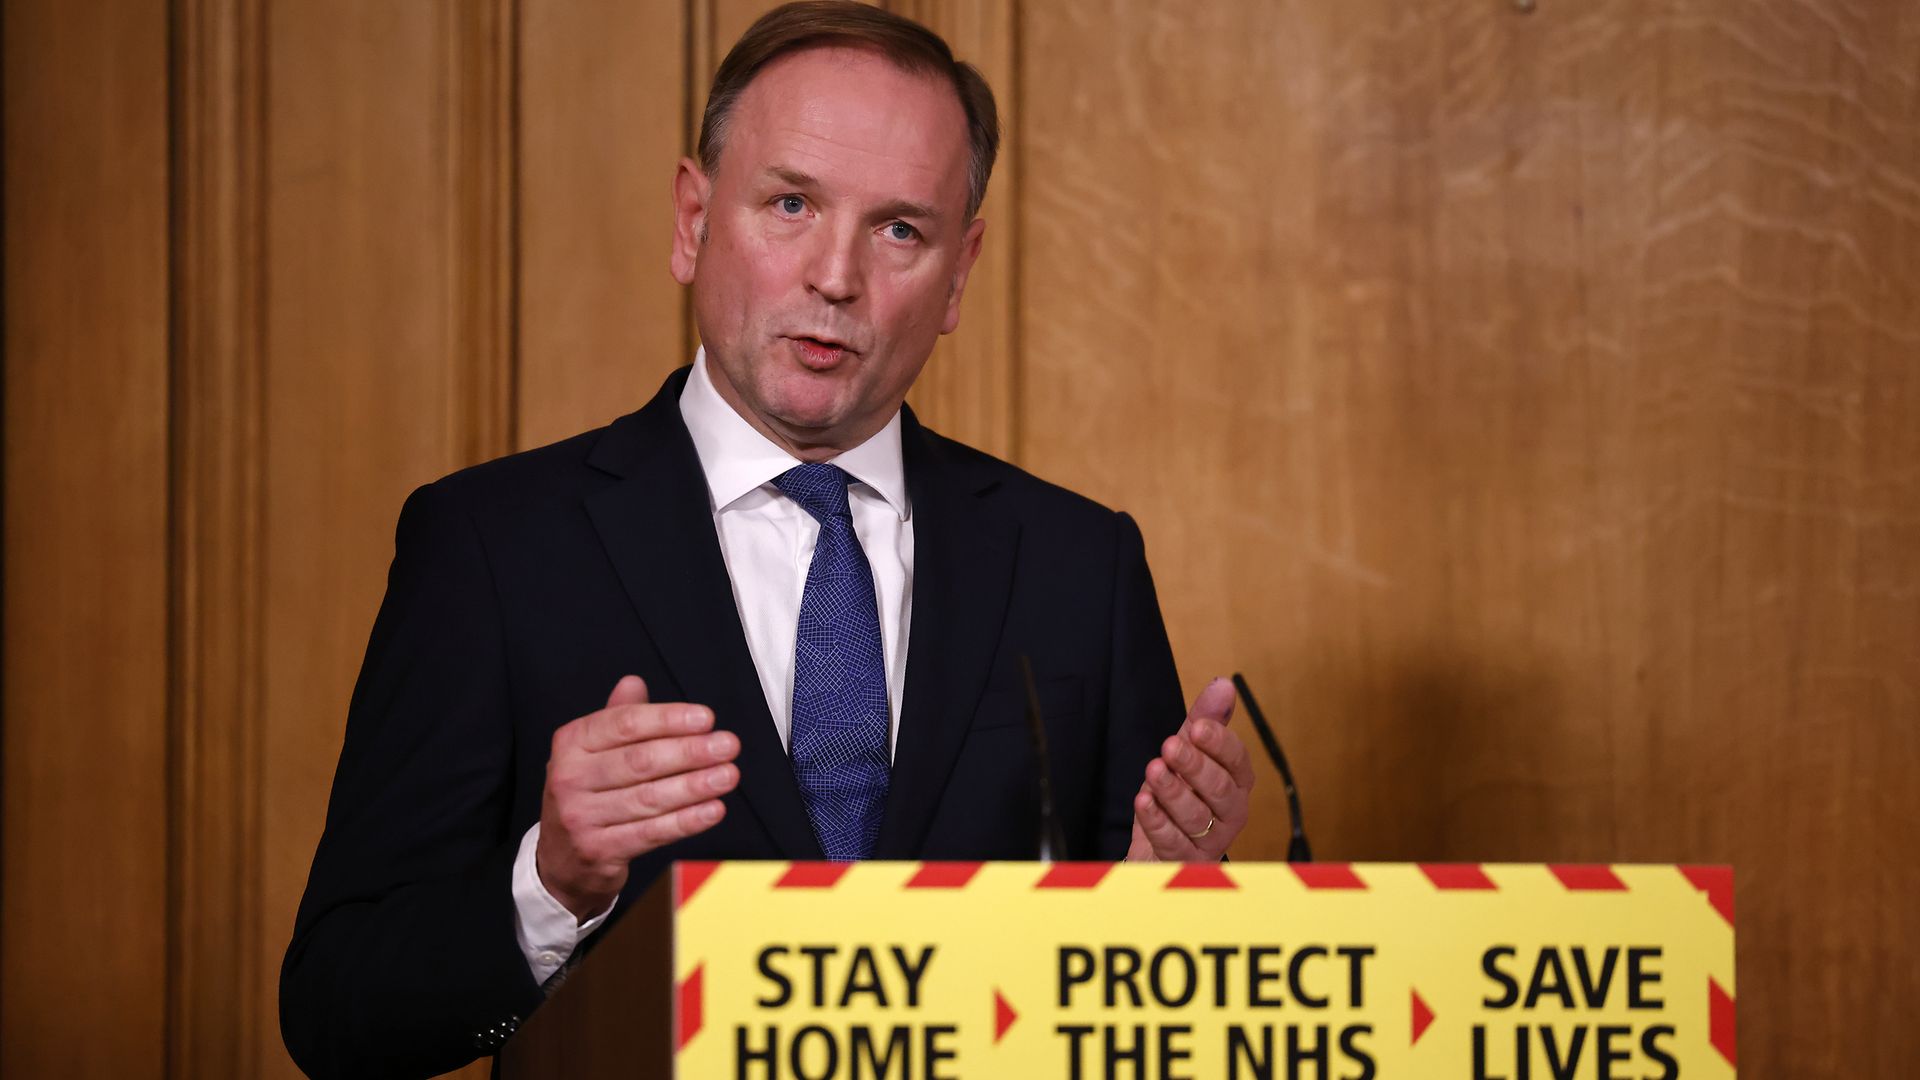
738, 460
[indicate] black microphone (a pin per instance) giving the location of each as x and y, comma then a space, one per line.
1053, 844
1297, 849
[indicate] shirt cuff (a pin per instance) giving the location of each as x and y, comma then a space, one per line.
548, 933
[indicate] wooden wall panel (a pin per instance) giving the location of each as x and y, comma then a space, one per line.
1525, 403
383, 241
83, 829
966, 389
217, 1016
480, 54
602, 106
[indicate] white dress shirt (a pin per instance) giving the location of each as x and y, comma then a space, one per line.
767, 541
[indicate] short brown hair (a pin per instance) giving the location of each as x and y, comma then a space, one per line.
910, 46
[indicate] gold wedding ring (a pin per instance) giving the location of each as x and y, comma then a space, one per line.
1203, 832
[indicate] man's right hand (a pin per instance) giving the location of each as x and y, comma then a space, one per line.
622, 781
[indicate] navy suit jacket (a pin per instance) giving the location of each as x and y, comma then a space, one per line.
521, 590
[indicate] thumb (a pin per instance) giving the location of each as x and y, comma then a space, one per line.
630, 690
1139, 848
1215, 702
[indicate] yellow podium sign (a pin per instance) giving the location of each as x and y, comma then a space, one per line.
916, 971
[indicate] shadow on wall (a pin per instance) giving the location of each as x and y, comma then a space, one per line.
1436, 755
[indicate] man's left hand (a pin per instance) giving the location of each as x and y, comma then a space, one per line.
1195, 798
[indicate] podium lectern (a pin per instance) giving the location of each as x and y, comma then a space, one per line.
1329, 971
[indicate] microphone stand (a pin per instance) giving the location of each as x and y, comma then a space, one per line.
1053, 844
1297, 849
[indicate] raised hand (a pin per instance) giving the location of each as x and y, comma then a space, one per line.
1196, 794
622, 781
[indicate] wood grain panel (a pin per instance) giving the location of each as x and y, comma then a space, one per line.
83, 837
216, 1013
966, 390
483, 39
386, 352
602, 93
1525, 403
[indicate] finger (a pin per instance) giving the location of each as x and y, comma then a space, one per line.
1215, 702
618, 725
1177, 799
1223, 745
640, 837
1169, 843
630, 690
656, 798
652, 759
1206, 777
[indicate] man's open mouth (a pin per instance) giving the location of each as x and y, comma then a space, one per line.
820, 354
820, 342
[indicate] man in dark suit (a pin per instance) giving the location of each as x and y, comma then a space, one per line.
809, 609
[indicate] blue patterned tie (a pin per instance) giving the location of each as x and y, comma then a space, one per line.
838, 738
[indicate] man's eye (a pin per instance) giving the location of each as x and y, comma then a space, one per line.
791, 204
900, 230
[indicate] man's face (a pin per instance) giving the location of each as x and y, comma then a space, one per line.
831, 249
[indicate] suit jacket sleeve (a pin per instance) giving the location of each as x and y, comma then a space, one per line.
1145, 703
403, 955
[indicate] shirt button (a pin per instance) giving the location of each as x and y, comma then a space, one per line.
550, 957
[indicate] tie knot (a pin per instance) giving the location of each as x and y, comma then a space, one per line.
819, 487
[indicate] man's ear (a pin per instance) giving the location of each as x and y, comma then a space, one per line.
969, 251
691, 192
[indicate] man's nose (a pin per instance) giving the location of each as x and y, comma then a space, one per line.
838, 268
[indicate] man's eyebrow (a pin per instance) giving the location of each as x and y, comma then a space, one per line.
895, 208
792, 176
906, 208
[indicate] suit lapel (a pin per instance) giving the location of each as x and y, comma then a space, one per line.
657, 525
963, 561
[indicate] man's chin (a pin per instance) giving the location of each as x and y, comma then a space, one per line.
810, 428
808, 404
807, 419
